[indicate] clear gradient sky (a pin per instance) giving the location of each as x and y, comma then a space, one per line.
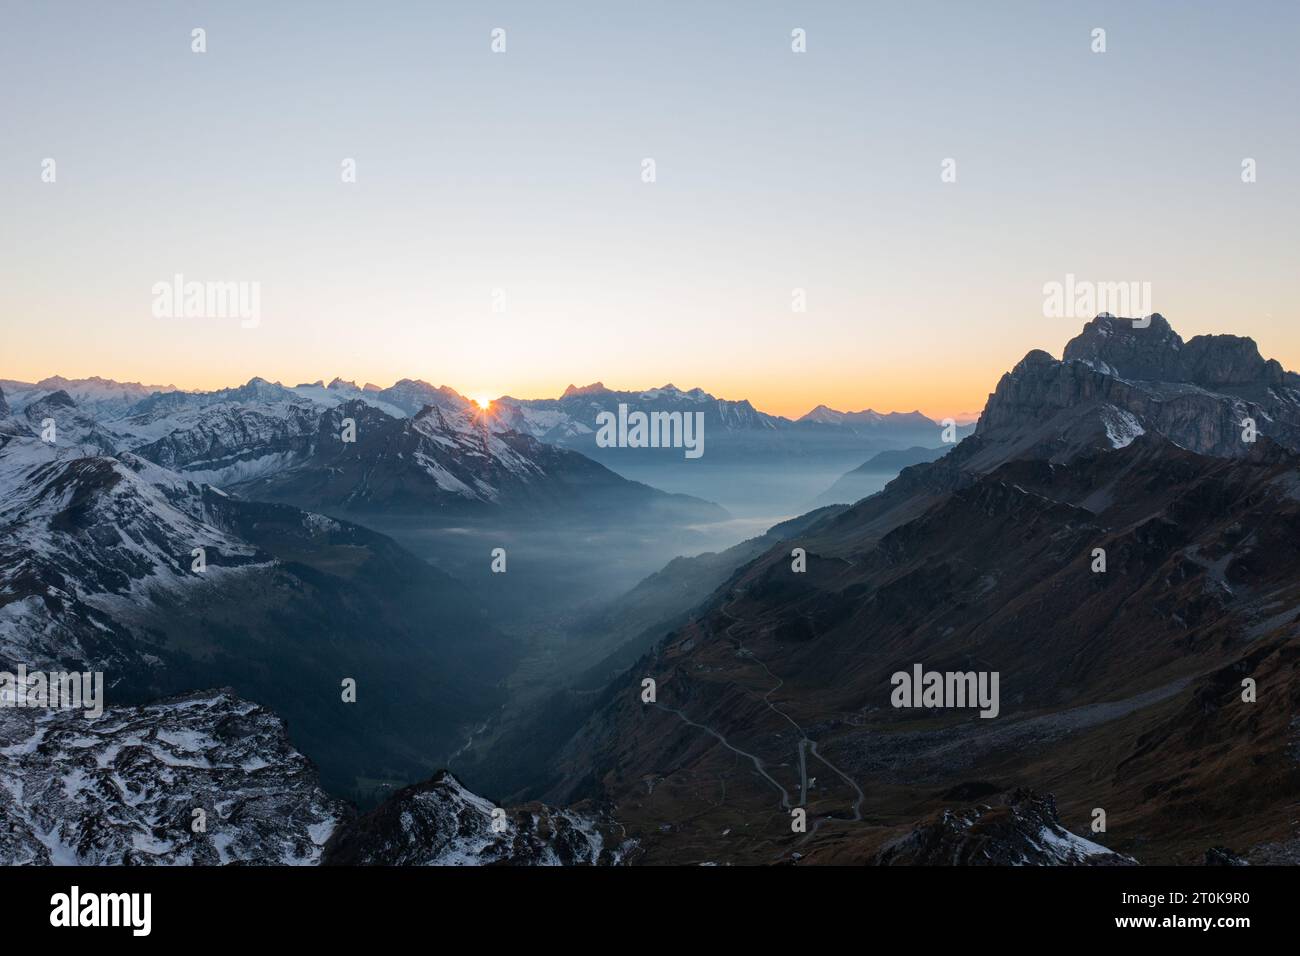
522, 171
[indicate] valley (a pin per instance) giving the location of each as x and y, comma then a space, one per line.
500, 602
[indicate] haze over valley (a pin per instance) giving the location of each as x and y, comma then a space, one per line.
498, 595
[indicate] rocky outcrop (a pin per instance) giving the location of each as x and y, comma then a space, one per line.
440, 823
1157, 353
1117, 381
1024, 830
205, 778
210, 779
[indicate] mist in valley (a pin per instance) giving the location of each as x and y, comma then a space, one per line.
583, 599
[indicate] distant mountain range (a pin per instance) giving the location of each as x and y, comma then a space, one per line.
417, 449
454, 458
735, 431
97, 395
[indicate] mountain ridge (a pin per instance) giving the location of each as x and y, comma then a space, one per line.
985, 559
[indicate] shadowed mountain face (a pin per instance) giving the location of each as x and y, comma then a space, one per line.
118, 565
1120, 688
1117, 381
1229, 363
445, 481
872, 475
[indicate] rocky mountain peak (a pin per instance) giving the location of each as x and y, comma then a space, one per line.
1036, 358
441, 823
256, 389
1144, 350
1156, 353
1120, 378
1216, 361
1023, 829
59, 399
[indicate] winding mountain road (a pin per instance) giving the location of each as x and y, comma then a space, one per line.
804, 745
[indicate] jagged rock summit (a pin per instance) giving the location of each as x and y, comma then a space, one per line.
1121, 378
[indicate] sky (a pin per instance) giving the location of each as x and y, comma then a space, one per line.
500, 238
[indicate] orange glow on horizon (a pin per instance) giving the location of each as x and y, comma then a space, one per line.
938, 396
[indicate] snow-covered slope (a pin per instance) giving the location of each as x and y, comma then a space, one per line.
210, 437
58, 419
445, 461
418, 447
338, 391
123, 788
98, 572
85, 536
227, 442
1025, 830
441, 823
